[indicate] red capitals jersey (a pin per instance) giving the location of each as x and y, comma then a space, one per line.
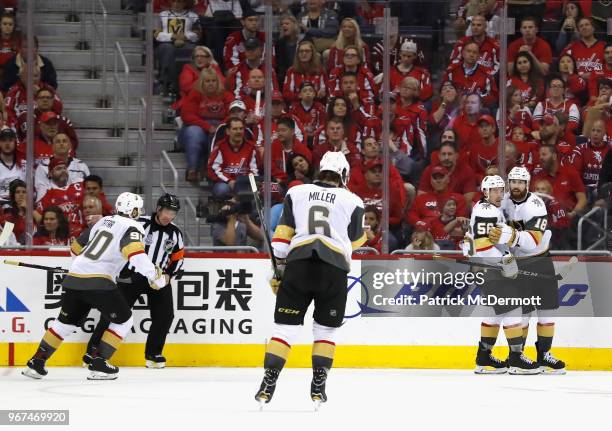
280, 157
233, 50
526, 154
419, 117
293, 82
259, 128
478, 80
197, 109
396, 183
336, 55
46, 240
311, 118
566, 107
482, 156
350, 151
68, 199
489, 52
588, 59
557, 216
466, 131
428, 206
528, 93
374, 197
238, 81
588, 161
225, 163
366, 87
8, 49
420, 74
16, 101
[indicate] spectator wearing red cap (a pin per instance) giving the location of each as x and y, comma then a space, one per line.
461, 174
285, 145
465, 126
371, 193
64, 195
62, 149
308, 110
470, 77
556, 102
538, 48
49, 125
484, 151
234, 157
238, 80
54, 228
428, 206
240, 42
588, 51
353, 61
11, 166
596, 75
488, 46
202, 111
421, 238
568, 187
558, 221
47, 100
406, 67
588, 157
306, 67
335, 141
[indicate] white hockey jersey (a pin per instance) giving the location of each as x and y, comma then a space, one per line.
8, 174
529, 217
320, 218
485, 216
103, 251
77, 171
177, 23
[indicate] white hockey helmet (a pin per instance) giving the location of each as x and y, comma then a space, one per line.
491, 182
335, 161
128, 202
519, 173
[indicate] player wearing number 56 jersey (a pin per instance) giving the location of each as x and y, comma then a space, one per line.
90, 283
526, 212
321, 224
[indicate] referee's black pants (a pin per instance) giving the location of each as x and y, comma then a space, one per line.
161, 307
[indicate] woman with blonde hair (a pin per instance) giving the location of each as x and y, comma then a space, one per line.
202, 58
203, 109
350, 35
306, 67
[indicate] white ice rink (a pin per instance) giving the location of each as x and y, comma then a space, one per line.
181, 399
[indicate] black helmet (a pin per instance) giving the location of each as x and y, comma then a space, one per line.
169, 201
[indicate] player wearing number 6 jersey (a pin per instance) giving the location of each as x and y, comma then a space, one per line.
90, 283
321, 224
526, 212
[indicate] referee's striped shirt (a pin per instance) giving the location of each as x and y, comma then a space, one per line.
163, 244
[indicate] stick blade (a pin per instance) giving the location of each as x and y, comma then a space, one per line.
253, 183
7, 230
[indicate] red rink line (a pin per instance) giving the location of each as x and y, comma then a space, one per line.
11, 354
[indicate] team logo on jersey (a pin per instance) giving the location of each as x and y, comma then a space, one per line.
538, 202
169, 245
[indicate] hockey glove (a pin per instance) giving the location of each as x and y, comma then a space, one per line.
276, 281
161, 279
509, 266
467, 245
503, 234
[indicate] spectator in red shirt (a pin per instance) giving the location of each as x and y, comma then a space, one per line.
49, 125
488, 46
465, 126
588, 158
449, 226
94, 188
276, 112
445, 109
461, 175
575, 85
567, 185
552, 133
236, 109
285, 145
409, 105
556, 103
54, 228
532, 44
299, 170
235, 48
406, 67
484, 151
421, 238
470, 77
606, 72
203, 110
306, 67
587, 51
527, 79
518, 114
353, 62
240, 75
526, 150
428, 206
64, 195
571, 13
15, 211
309, 111
558, 221
371, 220
46, 100
601, 109
335, 141
190, 74
9, 39
349, 35
231, 161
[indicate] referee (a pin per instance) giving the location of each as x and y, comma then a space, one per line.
164, 245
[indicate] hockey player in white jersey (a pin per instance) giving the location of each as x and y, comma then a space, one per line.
487, 217
90, 283
321, 224
526, 212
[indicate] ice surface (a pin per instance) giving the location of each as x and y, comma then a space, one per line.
179, 399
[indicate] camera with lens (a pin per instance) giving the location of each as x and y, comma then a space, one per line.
218, 210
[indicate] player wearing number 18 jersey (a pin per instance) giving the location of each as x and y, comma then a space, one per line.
90, 283
321, 224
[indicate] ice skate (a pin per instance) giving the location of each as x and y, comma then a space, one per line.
102, 370
548, 363
486, 363
268, 385
155, 361
317, 387
519, 364
35, 369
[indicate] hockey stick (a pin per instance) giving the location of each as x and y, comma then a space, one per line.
563, 271
7, 230
34, 266
264, 226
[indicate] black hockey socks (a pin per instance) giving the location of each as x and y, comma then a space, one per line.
109, 344
545, 336
48, 345
488, 335
323, 354
514, 335
277, 352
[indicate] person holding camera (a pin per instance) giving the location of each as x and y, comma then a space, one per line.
164, 245
233, 225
